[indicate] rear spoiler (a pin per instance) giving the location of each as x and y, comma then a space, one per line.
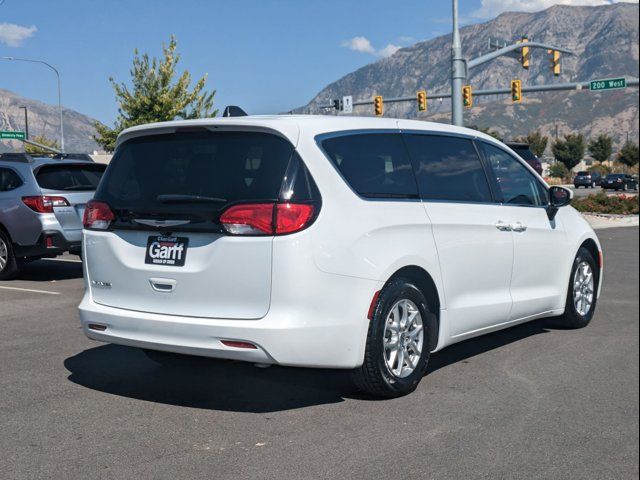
28, 158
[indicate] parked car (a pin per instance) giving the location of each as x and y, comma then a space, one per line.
333, 242
42, 200
527, 155
587, 179
619, 181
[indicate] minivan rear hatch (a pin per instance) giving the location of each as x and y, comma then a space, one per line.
165, 250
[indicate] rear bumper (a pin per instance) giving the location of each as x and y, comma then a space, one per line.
320, 336
49, 244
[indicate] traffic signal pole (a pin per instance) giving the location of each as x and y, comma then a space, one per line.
458, 71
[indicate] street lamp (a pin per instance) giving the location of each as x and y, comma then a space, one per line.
26, 121
59, 94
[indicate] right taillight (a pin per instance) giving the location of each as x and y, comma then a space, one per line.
97, 215
267, 218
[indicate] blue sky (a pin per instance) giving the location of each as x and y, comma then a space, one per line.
267, 56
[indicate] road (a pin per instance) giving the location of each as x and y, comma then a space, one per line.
583, 192
528, 402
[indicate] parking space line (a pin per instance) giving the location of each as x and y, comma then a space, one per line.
29, 290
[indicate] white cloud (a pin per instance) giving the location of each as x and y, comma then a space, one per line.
491, 8
359, 44
14, 35
388, 50
362, 44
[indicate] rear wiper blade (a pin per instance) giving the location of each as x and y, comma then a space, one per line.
176, 198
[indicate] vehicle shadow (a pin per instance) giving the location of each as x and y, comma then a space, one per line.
46, 270
241, 387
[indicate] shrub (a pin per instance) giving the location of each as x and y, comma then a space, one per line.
601, 203
558, 170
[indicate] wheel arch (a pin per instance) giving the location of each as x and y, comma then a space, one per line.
424, 281
592, 247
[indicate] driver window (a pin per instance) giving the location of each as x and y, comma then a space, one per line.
517, 185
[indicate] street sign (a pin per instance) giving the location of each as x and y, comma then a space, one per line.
11, 135
347, 104
607, 84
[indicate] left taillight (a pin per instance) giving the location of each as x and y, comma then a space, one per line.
97, 215
267, 218
44, 203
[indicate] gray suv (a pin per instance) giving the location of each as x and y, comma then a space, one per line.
42, 200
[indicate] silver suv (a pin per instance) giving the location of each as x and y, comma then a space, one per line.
42, 200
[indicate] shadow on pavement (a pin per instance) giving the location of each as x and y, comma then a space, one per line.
241, 387
46, 270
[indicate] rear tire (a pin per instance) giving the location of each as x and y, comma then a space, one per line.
8, 262
582, 294
397, 350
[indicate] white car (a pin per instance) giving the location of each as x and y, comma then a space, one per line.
338, 242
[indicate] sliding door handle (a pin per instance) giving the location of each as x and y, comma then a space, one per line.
503, 227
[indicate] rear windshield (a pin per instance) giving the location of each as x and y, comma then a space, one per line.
70, 177
583, 173
195, 171
616, 175
525, 153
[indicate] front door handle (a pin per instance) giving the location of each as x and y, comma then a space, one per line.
503, 227
518, 227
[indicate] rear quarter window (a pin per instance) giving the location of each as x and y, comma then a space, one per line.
375, 165
70, 177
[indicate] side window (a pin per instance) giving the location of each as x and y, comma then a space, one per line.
448, 168
375, 165
9, 180
516, 184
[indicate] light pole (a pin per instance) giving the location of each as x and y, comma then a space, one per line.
59, 90
457, 71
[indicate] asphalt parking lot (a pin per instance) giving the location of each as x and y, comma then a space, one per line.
584, 192
527, 402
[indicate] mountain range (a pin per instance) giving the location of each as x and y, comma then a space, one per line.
44, 120
604, 42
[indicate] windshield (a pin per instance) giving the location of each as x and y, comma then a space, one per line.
70, 176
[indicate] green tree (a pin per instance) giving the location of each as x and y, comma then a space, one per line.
569, 151
601, 148
42, 140
536, 141
156, 95
628, 154
558, 170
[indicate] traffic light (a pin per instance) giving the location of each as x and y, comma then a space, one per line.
526, 53
467, 96
555, 61
422, 101
377, 105
516, 91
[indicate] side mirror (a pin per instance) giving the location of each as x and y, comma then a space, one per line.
558, 197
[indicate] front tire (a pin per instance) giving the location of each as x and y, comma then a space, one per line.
8, 262
397, 350
582, 293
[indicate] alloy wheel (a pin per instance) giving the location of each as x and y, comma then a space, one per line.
583, 288
403, 338
4, 254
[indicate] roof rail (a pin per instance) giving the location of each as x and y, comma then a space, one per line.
16, 157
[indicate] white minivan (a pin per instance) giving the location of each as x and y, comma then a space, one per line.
334, 242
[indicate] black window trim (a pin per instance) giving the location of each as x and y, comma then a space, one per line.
492, 175
368, 131
20, 177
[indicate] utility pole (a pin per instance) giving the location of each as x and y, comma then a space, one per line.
26, 122
457, 71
